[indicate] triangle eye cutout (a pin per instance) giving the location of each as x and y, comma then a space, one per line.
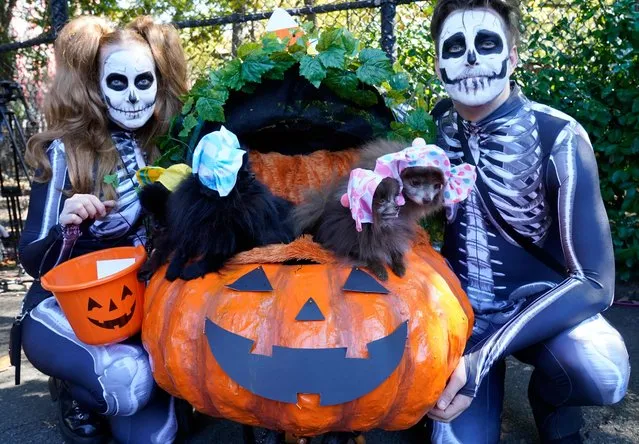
362, 282
126, 292
254, 280
93, 304
310, 312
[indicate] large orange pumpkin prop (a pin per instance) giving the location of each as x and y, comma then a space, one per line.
210, 340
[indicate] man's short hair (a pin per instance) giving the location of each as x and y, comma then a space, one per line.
508, 10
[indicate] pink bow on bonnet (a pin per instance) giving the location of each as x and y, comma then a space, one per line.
459, 179
359, 195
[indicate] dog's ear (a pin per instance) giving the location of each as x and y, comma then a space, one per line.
153, 199
245, 171
246, 163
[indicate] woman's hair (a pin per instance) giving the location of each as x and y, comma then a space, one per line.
75, 110
508, 10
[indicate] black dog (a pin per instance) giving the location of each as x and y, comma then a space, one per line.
203, 227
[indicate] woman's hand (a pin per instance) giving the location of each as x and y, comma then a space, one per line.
79, 207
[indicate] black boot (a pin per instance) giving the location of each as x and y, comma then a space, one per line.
76, 424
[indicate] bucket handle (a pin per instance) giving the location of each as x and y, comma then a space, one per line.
70, 234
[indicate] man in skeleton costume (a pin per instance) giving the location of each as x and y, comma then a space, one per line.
108, 390
537, 298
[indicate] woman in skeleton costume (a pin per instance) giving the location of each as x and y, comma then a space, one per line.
114, 91
531, 245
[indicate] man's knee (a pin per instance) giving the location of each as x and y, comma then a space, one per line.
597, 358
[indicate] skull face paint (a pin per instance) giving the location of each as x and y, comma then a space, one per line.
129, 85
473, 56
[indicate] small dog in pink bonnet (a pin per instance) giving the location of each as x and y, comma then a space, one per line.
371, 217
359, 219
424, 171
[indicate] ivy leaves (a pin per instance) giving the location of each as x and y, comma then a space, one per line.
332, 59
375, 68
313, 70
346, 68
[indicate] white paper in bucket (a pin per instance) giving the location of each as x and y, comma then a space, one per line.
112, 266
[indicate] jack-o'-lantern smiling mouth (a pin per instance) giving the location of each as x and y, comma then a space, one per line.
292, 371
118, 322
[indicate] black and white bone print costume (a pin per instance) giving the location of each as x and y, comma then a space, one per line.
548, 190
114, 380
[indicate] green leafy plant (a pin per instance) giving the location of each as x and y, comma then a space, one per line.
112, 179
587, 67
336, 61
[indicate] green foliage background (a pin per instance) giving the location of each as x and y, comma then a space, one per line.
338, 62
587, 65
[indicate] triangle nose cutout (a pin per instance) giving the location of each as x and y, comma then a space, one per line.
310, 312
112, 306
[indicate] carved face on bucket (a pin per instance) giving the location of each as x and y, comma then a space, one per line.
473, 56
128, 84
110, 313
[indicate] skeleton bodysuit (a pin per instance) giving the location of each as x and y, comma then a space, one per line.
114, 380
540, 172
550, 194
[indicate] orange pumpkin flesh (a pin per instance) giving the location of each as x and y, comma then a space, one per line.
290, 176
439, 322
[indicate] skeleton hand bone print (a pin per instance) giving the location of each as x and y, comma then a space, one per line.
129, 86
474, 57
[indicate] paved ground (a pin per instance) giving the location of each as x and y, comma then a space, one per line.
28, 416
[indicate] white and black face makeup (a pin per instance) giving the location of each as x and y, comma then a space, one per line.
129, 85
473, 56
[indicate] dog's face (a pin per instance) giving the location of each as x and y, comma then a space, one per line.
245, 175
385, 207
423, 185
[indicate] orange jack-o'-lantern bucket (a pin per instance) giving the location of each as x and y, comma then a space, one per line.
100, 294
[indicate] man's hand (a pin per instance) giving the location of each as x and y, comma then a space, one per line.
451, 404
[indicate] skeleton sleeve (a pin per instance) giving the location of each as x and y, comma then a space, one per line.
588, 254
41, 239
